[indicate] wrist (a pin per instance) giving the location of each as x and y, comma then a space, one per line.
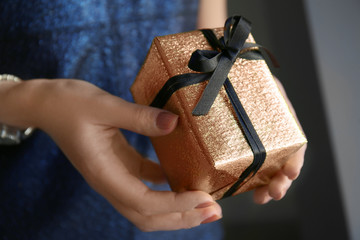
19, 102
12, 131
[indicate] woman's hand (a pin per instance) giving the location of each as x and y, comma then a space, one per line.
84, 121
282, 180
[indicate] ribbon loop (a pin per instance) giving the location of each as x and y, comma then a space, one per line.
236, 31
204, 60
230, 53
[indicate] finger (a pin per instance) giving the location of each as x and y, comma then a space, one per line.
119, 178
183, 220
138, 165
138, 118
174, 220
168, 210
158, 202
151, 171
162, 202
261, 195
279, 185
293, 166
118, 181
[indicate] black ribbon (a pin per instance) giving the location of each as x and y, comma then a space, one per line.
214, 65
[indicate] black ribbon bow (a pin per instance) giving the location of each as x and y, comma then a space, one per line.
214, 65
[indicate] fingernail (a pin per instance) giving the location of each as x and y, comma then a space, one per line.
166, 120
204, 205
213, 218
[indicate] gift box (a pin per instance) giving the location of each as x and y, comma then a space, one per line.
237, 140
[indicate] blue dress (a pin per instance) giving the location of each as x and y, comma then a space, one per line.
101, 41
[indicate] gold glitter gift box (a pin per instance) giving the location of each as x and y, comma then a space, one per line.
210, 152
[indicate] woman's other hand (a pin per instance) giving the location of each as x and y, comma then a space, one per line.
84, 121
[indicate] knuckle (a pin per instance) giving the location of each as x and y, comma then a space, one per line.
145, 225
143, 211
275, 192
144, 208
292, 172
143, 119
186, 224
276, 195
294, 175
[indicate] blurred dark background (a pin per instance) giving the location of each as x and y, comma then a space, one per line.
310, 38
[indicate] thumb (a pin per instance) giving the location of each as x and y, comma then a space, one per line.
142, 119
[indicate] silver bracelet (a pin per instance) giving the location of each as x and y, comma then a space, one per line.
11, 135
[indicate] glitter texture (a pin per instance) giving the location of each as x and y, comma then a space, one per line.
210, 152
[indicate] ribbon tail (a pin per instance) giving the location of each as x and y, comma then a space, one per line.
248, 52
251, 137
213, 87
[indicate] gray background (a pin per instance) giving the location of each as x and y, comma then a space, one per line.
317, 45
